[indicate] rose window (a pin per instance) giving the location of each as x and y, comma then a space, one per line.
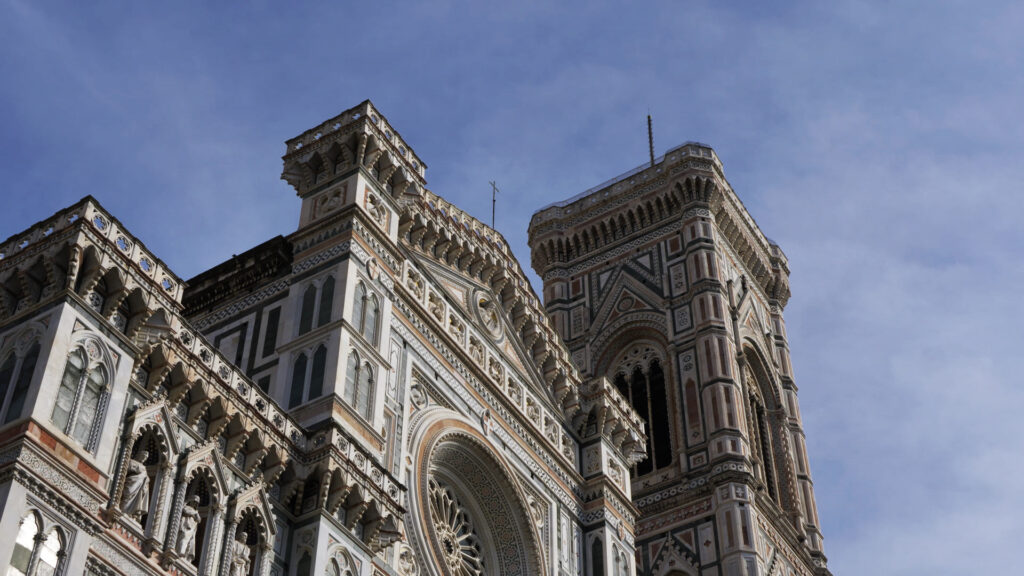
459, 543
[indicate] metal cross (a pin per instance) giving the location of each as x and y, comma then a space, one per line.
494, 200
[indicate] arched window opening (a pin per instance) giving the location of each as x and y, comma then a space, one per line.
621, 563
640, 400
298, 381
765, 446
364, 394
351, 378
50, 554
366, 313
370, 320
80, 398
358, 307
306, 314
760, 425
641, 380
660, 428
35, 552
316, 379
7, 374
761, 440
24, 545
597, 556
88, 404
326, 301
16, 379
359, 385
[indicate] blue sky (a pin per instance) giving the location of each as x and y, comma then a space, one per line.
879, 144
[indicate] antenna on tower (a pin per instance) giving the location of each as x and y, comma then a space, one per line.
650, 139
494, 200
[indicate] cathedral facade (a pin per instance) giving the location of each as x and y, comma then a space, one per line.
381, 392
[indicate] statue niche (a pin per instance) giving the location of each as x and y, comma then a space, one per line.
141, 484
241, 555
135, 496
247, 549
190, 519
195, 517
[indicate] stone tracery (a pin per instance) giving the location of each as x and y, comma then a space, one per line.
460, 544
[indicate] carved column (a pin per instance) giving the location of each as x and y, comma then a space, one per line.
171, 537
122, 471
165, 478
227, 547
213, 544
266, 559
37, 544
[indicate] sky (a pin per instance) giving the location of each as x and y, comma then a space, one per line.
880, 144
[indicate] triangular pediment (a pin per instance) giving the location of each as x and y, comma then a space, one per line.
646, 267
255, 496
627, 295
207, 455
479, 305
673, 557
154, 414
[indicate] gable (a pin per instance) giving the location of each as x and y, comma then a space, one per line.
479, 306
627, 294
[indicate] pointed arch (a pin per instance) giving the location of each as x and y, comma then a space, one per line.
298, 383
319, 369
326, 301
83, 391
306, 311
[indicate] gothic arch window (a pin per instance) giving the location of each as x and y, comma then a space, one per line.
298, 381
366, 313
759, 423
340, 565
326, 301
621, 563
37, 552
308, 377
308, 305
51, 552
597, 556
370, 320
15, 380
359, 386
82, 396
641, 379
316, 377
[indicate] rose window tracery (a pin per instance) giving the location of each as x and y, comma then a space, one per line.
460, 545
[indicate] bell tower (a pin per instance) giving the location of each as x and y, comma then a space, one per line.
660, 281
